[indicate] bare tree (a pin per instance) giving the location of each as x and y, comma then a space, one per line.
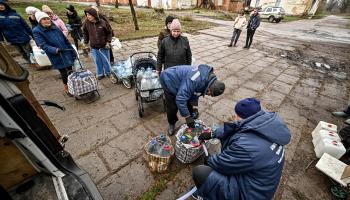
133, 13
116, 4
98, 3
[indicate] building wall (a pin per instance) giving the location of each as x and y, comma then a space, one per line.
292, 7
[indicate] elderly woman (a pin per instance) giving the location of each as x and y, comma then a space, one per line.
174, 49
30, 10
60, 51
55, 19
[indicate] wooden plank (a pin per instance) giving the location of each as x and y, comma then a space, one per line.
14, 166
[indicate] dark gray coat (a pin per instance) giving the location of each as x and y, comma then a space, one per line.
174, 52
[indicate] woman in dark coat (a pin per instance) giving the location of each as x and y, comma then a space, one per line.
75, 23
175, 49
56, 46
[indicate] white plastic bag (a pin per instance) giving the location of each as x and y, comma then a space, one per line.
116, 43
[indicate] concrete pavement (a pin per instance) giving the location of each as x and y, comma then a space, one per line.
107, 136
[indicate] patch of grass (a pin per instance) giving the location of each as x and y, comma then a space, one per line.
291, 18
187, 18
214, 14
154, 191
150, 22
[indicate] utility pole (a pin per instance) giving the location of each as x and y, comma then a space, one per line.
133, 13
116, 4
98, 3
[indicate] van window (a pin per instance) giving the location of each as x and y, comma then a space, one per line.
275, 10
268, 9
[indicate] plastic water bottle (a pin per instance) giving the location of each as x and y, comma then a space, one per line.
162, 137
152, 146
165, 150
77, 66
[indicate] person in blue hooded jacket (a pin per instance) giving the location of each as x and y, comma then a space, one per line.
56, 46
15, 30
183, 85
252, 156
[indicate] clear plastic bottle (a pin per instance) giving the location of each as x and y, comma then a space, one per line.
165, 150
162, 137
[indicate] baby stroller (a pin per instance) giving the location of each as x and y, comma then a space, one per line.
147, 86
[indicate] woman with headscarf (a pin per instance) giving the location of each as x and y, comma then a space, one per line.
166, 31
75, 23
30, 10
57, 21
15, 30
59, 50
174, 50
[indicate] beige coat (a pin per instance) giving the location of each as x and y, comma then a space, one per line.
240, 22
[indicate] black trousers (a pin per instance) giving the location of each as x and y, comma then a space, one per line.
200, 174
111, 57
64, 74
250, 35
347, 110
235, 36
172, 107
25, 49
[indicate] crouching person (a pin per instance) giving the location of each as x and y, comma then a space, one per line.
252, 158
182, 86
56, 46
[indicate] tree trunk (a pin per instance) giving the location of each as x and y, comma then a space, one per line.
133, 13
98, 3
116, 3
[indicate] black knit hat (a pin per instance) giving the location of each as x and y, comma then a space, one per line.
169, 19
217, 88
92, 12
70, 8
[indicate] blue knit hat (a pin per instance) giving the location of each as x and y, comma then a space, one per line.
247, 107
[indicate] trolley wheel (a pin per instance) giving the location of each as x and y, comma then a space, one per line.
127, 83
338, 192
113, 78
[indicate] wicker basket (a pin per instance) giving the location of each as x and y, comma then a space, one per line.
186, 153
158, 163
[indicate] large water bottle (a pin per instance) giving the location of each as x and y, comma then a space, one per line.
162, 137
165, 150
77, 66
152, 146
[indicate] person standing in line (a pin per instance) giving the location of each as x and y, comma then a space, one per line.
75, 23
238, 25
253, 24
98, 33
55, 19
15, 30
174, 50
56, 46
104, 18
166, 31
30, 10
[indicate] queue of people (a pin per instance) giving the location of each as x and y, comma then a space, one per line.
252, 158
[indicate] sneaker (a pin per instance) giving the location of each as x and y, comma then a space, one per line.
340, 114
347, 121
171, 129
230, 45
245, 47
100, 77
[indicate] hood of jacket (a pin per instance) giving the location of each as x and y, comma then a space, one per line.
267, 125
8, 9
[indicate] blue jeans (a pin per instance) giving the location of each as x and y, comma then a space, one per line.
101, 59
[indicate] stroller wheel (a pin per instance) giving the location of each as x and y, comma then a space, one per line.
113, 78
127, 83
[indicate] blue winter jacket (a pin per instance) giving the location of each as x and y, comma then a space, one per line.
251, 161
187, 83
13, 27
50, 39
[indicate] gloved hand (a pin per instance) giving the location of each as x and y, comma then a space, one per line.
206, 158
195, 113
58, 51
205, 136
108, 45
190, 122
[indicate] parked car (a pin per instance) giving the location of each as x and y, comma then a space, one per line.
273, 14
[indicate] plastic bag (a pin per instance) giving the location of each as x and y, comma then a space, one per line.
116, 43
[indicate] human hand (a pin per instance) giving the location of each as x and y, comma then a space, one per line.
205, 136
108, 45
190, 121
58, 51
195, 113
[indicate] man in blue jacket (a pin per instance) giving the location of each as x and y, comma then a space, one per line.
252, 156
253, 24
183, 85
15, 30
